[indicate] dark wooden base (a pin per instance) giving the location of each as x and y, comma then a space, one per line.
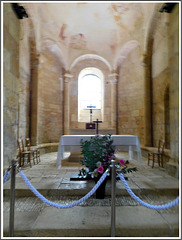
76, 177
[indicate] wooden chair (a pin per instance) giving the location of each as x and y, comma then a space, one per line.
35, 150
153, 156
24, 153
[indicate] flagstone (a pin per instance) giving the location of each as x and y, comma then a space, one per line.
132, 219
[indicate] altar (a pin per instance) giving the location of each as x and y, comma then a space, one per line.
71, 143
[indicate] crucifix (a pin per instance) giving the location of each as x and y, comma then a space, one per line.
97, 127
90, 125
90, 108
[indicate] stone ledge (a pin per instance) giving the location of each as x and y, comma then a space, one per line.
43, 145
167, 152
48, 147
172, 169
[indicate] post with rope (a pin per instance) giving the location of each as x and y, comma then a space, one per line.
113, 196
12, 198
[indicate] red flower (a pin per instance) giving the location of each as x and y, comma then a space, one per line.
122, 162
100, 169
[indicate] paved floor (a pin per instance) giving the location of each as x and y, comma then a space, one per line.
33, 218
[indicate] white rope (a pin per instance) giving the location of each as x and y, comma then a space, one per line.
41, 197
155, 207
6, 175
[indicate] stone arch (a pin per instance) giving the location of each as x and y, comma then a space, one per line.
125, 51
86, 61
51, 48
90, 57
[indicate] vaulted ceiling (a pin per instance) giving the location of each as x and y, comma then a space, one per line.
110, 30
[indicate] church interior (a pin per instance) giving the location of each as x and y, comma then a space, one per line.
68, 64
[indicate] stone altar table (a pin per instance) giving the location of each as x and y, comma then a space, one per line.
71, 143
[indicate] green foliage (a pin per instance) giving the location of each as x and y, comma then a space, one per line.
97, 149
97, 153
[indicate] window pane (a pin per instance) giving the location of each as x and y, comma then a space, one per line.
90, 91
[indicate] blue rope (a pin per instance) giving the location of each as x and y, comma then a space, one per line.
6, 175
41, 197
155, 207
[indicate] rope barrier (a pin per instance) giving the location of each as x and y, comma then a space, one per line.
155, 207
41, 197
6, 175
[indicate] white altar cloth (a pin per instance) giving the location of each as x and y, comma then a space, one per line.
71, 143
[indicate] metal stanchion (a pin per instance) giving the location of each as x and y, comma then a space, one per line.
113, 195
12, 198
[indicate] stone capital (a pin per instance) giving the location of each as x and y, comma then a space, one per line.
113, 78
145, 60
67, 77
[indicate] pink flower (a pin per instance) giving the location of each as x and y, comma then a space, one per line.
100, 169
122, 162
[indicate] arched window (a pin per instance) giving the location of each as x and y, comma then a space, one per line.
90, 91
90, 94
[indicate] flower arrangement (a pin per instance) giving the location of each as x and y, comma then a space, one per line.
97, 153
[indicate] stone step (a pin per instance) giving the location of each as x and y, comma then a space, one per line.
81, 188
91, 219
75, 157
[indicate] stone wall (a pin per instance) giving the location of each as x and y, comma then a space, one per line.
50, 105
34, 89
165, 82
131, 97
160, 80
107, 123
24, 81
173, 32
11, 35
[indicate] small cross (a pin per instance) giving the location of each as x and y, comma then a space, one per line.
90, 108
97, 128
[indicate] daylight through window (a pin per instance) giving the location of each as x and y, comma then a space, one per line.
90, 85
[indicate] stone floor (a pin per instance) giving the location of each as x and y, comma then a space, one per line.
92, 218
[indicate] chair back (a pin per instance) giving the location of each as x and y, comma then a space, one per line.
27, 143
20, 145
161, 146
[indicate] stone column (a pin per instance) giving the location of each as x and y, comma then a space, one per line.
147, 102
34, 100
67, 79
114, 101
